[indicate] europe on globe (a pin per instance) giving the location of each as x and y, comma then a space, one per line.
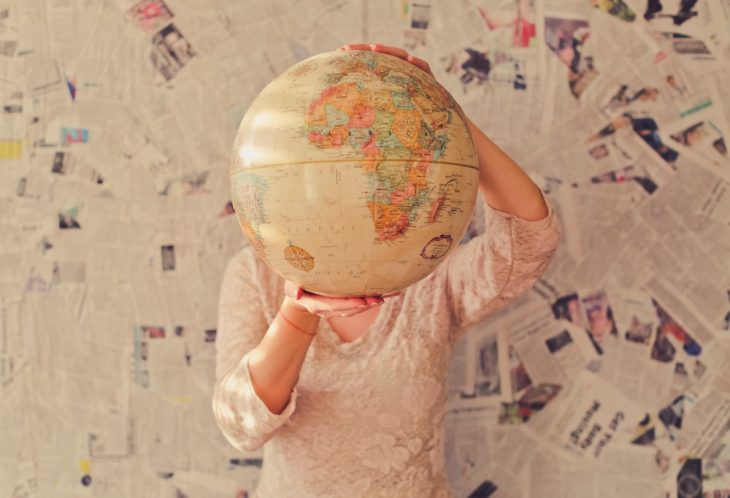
353, 174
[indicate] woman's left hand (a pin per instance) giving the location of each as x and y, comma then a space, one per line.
386, 49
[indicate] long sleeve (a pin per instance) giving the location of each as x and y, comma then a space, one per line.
487, 273
244, 419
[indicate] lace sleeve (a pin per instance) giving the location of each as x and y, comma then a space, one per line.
244, 419
494, 268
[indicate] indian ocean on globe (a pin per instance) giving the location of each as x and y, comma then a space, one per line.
354, 174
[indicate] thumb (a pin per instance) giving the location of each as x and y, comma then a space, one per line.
293, 291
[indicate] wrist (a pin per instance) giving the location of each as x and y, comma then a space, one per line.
293, 306
297, 312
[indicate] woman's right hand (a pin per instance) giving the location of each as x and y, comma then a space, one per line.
327, 307
387, 49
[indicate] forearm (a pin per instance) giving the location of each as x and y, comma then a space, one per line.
504, 185
274, 364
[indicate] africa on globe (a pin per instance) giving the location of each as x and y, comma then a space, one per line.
354, 174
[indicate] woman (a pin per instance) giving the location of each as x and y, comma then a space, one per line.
350, 393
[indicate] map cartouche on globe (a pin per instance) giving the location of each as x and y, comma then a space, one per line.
354, 173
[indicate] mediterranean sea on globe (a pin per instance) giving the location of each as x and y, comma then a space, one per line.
354, 173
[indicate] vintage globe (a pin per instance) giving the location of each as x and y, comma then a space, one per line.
354, 173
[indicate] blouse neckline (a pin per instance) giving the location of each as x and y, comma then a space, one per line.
328, 334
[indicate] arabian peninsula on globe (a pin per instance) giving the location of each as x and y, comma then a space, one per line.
354, 174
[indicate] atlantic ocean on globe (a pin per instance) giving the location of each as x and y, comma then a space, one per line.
354, 174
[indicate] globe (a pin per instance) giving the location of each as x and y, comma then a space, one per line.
353, 173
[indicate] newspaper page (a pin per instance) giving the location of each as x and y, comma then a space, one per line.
609, 377
591, 415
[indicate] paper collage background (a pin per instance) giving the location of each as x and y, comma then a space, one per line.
609, 378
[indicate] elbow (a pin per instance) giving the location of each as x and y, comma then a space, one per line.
237, 425
243, 444
243, 418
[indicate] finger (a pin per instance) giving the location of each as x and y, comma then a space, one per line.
292, 290
330, 314
333, 303
393, 294
342, 313
339, 313
355, 46
373, 300
387, 49
399, 52
420, 63
376, 47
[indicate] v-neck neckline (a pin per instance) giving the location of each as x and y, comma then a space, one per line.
330, 336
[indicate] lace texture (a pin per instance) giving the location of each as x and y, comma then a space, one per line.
366, 417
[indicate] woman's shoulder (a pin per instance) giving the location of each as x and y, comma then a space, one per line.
240, 264
246, 262
247, 267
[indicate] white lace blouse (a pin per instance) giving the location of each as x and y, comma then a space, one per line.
366, 417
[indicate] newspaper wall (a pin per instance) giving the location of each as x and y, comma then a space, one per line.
609, 378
